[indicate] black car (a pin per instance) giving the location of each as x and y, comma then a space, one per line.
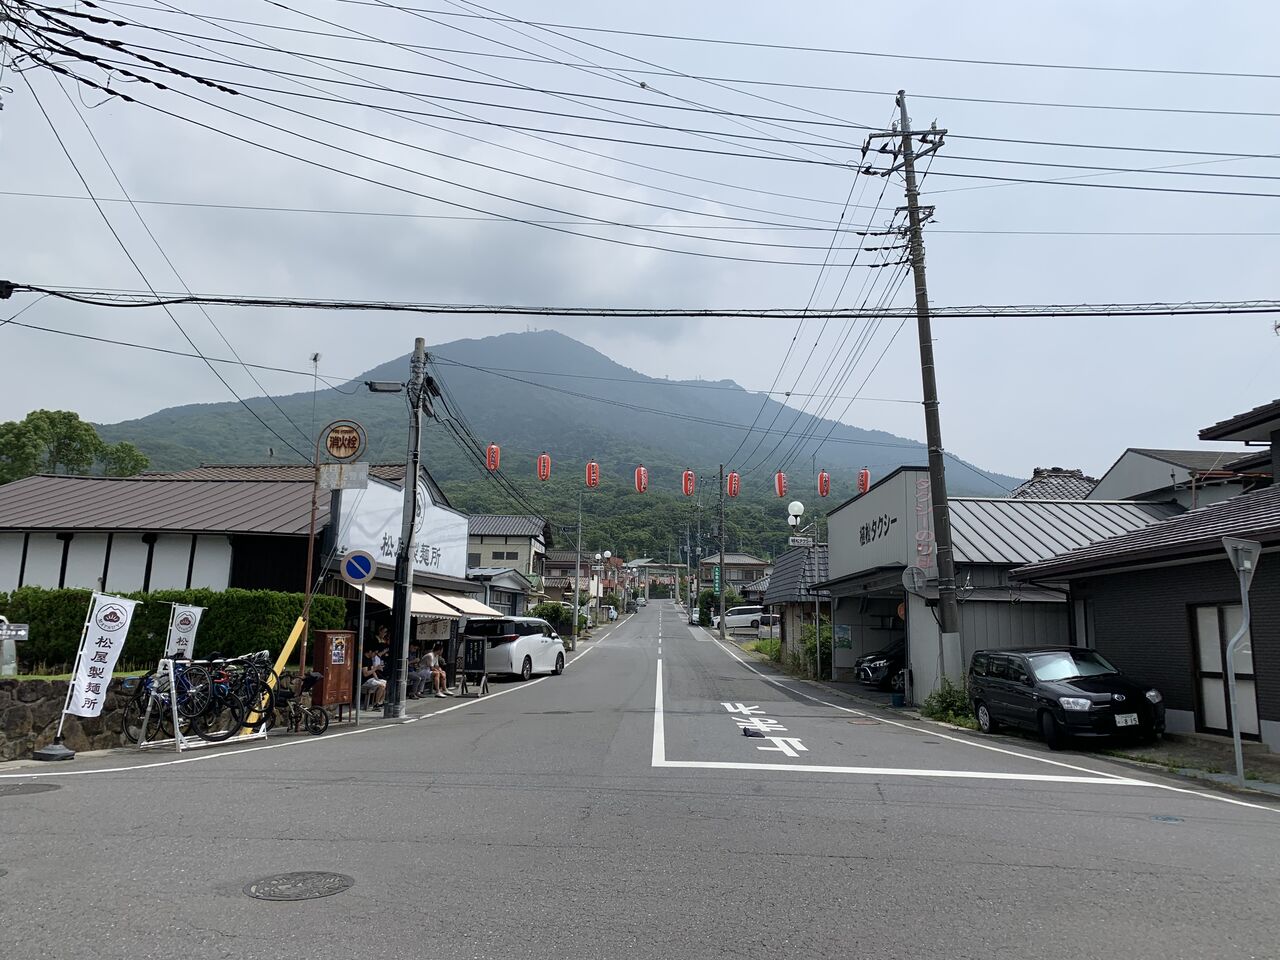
1061, 692
883, 669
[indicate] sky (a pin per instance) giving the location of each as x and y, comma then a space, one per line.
406, 121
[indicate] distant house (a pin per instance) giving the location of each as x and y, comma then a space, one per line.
1192, 478
519, 542
740, 570
1162, 601
1055, 483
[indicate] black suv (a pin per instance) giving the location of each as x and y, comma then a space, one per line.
1061, 692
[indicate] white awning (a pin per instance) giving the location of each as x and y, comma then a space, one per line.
466, 605
423, 603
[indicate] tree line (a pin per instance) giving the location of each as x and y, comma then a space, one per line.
58, 441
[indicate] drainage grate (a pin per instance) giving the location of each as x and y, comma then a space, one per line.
304, 885
1162, 818
26, 789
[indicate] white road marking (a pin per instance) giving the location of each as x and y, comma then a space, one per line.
984, 746
240, 751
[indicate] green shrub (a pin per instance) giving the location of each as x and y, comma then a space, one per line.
235, 622
950, 704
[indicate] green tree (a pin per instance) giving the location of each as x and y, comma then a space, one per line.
19, 451
122, 459
66, 441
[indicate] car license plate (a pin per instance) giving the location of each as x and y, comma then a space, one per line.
1126, 719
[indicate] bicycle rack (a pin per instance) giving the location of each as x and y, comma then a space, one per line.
178, 741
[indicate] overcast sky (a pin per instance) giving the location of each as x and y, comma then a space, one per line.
1015, 393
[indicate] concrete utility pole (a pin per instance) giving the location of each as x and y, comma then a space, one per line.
723, 571
401, 609
948, 608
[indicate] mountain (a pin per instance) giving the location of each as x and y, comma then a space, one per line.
537, 391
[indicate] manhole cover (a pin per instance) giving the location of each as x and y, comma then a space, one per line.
25, 789
1161, 818
304, 885
865, 721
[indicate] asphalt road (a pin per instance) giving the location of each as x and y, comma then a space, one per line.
619, 811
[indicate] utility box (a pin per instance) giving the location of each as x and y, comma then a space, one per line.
333, 658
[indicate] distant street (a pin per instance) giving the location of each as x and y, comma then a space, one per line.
619, 811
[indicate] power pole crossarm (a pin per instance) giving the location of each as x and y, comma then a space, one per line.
948, 608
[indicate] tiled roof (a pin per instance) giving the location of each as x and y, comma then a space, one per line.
1197, 460
1255, 424
1055, 483
506, 525
793, 572
1253, 516
147, 504
1003, 531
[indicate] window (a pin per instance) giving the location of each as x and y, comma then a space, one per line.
473, 559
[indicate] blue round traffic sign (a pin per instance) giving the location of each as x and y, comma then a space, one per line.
358, 567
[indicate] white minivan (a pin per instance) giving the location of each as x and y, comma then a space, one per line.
520, 645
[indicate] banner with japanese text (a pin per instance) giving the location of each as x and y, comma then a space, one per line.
183, 623
105, 630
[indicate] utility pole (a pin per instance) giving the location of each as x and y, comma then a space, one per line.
721, 559
577, 576
401, 609
948, 608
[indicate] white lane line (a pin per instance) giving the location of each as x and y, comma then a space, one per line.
240, 751
659, 724
897, 772
1004, 750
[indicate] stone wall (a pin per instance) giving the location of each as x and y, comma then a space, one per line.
29, 712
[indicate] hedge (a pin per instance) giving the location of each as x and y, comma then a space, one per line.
235, 622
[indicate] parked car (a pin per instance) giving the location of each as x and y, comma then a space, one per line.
885, 669
770, 625
520, 645
737, 617
1062, 692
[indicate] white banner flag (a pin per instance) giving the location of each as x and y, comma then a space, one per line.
183, 622
104, 633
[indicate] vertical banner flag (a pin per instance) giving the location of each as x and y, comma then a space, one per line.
100, 645
183, 623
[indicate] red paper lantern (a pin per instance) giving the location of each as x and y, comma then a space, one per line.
689, 481
493, 456
544, 466
780, 483
733, 484
824, 483
864, 480
642, 479
593, 474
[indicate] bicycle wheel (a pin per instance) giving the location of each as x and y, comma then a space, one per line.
317, 720
221, 720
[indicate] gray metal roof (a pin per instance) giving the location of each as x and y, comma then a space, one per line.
1197, 460
1255, 424
152, 505
1055, 483
1254, 516
506, 525
793, 572
1014, 532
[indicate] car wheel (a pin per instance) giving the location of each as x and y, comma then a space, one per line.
1051, 731
559, 669
526, 668
986, 722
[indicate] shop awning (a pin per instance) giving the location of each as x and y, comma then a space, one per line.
423, 603
469, 606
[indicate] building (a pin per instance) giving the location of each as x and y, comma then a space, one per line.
790, 592
1192, 478
740, 570
883, 571
1161, 602
515, 542
1055, 483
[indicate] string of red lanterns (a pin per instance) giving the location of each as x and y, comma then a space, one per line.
688, 479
